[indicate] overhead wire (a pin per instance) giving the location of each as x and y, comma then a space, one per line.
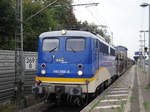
97, 19
90, 11
93, 16
40, 10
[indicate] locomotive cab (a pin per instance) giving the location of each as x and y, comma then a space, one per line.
64, 57
65, 60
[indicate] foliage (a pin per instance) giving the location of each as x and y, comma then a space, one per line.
94, 28
8, 108
7, 23
49, 19
34, 26
56, 16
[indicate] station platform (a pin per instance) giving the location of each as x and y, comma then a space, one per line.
130, 93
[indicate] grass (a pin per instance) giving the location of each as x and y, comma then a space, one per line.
147, 87
131, 99
8, 108
129, 87
115, 85
146, 72
101, 111
12, 107
114, 103
120, 109
119, 98
145, 104
112, 108
94, 105
123, 103
31, 101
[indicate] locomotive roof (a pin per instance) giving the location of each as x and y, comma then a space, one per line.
72, 33
69, 33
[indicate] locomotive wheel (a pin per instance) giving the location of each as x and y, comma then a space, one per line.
51, 99
64, 98
106, 84
99, 89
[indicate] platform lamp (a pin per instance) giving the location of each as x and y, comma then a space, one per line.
148, 5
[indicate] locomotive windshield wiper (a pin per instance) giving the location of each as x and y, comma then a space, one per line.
72, 49
53, 49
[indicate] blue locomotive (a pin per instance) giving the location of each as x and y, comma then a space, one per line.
74, 64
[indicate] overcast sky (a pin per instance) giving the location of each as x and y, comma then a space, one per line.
125, 18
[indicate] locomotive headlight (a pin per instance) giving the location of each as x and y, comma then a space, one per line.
43, 72
63, 32
80, 73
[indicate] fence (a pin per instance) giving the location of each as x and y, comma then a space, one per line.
7, 74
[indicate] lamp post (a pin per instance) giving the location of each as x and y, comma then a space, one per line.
144, 31
145, 5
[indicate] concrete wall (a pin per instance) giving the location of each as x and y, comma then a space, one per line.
7, 74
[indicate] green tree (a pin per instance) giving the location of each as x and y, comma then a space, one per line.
51, 18
63, 14
57, 16
7, 24
34, 26
94, 28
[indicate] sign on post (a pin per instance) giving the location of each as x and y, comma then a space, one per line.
138, 53
30, 63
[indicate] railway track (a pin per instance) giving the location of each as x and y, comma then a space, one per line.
71, 108
42, 107
63, 108
59, 108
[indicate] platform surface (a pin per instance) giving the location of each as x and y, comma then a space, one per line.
130, 93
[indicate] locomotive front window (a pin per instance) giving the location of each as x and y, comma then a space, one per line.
50, 45
75, 44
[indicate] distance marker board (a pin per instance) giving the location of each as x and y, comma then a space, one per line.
30, 63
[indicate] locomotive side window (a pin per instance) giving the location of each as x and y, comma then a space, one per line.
112, 52
50, 45
96, 43
75, 44
103, 48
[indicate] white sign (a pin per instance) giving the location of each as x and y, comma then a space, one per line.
30, 63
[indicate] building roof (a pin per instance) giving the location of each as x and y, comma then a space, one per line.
121, 48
